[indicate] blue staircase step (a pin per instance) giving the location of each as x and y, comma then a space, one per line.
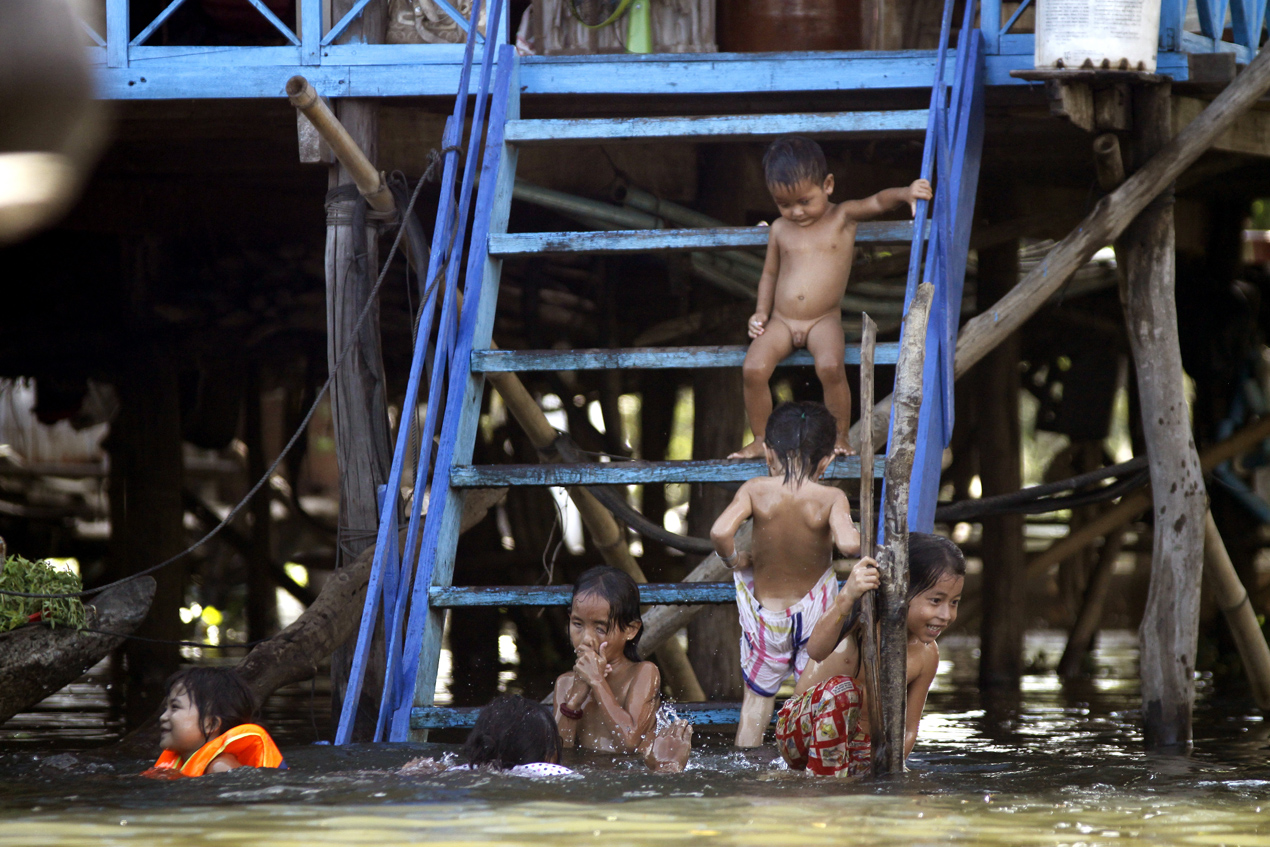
509, 244
652, 593
464, 717
634, 473
714, 127
647, 358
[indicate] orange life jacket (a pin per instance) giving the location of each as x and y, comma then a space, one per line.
249, 743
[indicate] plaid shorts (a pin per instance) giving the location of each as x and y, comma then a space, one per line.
774, 642
819, 730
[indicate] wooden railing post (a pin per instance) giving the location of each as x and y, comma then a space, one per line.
118, 33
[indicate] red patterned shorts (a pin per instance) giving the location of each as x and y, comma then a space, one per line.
819, 730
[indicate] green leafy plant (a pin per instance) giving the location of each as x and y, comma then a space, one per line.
19, 574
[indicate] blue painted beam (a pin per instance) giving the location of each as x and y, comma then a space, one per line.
464, 717
646, 358
506, 245
231, 72
668, 593
713, 127
634, 473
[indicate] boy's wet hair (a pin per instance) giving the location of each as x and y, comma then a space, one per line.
219, 694
930, 558
513, 730
621, 593
801, 434
793, 160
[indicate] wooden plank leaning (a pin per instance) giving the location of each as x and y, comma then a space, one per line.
892, 598
1104, 224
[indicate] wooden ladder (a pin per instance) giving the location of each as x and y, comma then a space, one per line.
414, 607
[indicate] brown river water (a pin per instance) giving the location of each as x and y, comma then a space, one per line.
1052, 766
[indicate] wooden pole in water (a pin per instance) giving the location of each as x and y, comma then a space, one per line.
359, 407
868, 537
1170, 625
1232, 599
888, 733
996, 435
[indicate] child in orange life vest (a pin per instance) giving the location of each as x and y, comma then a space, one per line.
206, 726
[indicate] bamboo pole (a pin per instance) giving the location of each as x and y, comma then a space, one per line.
887, 726
606, 532
1103, 225
1232, 599
868, 524
369, 181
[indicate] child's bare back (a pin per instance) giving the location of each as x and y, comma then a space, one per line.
792, 542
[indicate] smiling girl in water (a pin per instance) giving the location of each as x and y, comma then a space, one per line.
609, 701
825, 727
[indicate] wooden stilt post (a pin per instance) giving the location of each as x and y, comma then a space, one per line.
714, 636
888, 732
359, 409
1081, 638
145, 444
262, 606
868, 527
1170, 625
1004, 588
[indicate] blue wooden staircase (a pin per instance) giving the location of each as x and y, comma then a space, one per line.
409, 592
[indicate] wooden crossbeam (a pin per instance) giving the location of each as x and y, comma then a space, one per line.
506, 245
646, 358
713, 127
633, 473
666, 593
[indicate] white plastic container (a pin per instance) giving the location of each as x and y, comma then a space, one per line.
1109, 34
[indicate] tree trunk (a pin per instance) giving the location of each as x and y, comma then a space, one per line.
1004, 589
359, 411
714, 636
1170, 624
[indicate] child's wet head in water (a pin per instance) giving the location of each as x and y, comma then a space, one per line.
798, 178
605, 614
936, 576
200, 704
799, 440
511, 731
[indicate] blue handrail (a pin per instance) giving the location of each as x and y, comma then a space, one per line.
388, 569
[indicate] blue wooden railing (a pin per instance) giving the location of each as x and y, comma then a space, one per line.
950, 159
311, 40
400, 577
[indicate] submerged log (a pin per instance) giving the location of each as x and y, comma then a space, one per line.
36, 661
